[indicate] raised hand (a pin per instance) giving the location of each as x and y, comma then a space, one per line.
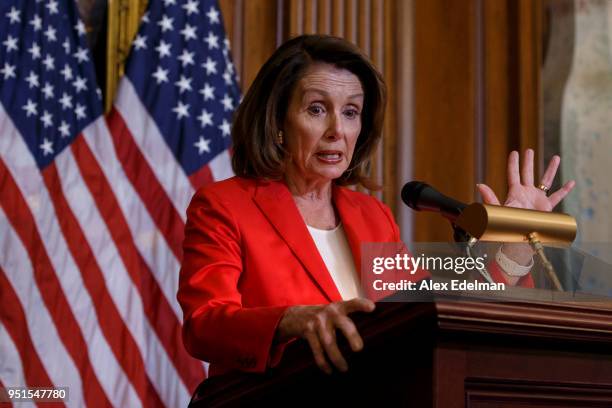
522, 191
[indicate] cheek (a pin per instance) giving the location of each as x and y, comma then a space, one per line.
304, 140
352, 137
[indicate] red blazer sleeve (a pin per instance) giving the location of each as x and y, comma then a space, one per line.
216, 327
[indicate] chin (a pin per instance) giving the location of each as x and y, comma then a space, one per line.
331, 174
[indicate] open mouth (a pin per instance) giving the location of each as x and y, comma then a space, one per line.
329, 156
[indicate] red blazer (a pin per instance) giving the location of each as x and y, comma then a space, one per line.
248, 256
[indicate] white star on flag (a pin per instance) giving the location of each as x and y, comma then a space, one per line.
163, 48
47, 90
80, 111
186, 58
181, 110
32, 80
66, 101
66, 45
184, 84
189, 32
52, 6
35, 51
46, 119
66, 72
227, 77
166, 23
225, 128
47, 146
81, 54
161, 75
80, 27
203, 145
208, 91
227, 103
79, 84
10, 43
140, 42
213, 16
205, 118
210, 66
212, 40
8, 71
49, 63
14, 15
51, 34
36, 22
191, 7
30, 108
64, 129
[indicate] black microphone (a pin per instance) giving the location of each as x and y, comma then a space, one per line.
422, 197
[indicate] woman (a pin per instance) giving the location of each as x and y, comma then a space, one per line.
270, 255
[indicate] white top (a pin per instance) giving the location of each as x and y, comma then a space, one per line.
336, 253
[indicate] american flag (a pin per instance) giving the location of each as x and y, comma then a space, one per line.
92, 208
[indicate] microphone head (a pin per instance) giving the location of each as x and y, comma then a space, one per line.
422, 197
411, 193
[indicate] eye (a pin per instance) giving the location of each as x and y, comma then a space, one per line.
351, 113
316, 109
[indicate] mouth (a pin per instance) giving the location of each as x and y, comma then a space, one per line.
329, 156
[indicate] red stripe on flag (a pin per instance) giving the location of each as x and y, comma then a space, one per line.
201, 177
3, 392
16, 209
14, 319
156, 306
147, 186
116, 333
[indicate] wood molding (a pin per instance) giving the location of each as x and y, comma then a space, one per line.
487, 392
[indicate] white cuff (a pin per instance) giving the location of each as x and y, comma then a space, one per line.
510, 267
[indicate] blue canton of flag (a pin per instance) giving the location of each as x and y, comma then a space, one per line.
181, 69
48, 85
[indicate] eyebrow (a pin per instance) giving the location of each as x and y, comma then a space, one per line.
325, 93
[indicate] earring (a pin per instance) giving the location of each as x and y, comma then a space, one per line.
280, 137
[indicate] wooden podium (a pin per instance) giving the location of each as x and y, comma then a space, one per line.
446, 354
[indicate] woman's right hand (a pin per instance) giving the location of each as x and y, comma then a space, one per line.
318, 324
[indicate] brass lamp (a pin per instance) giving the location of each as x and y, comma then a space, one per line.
505, 224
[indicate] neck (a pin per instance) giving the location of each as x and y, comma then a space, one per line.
311, 190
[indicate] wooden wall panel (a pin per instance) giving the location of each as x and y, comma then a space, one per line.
499, 127
444, 97
476, 96
512, 61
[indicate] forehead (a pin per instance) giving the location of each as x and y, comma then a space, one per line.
331, 79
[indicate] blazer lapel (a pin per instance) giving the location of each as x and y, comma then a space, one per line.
353, 220
275, 201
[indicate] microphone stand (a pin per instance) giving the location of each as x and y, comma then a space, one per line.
548, 267
459, 235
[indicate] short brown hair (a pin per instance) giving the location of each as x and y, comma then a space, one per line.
263, 109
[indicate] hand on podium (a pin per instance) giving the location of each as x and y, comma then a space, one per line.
317, 324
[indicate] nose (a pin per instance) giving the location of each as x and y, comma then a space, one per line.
334, 128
